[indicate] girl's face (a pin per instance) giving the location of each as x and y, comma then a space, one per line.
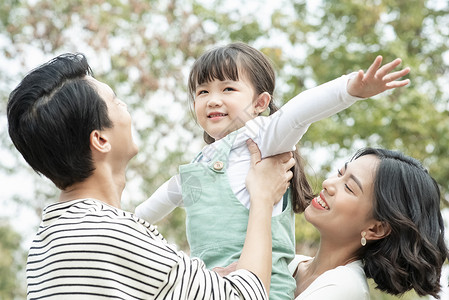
344, 207
222, 107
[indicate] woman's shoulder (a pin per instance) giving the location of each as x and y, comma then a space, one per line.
348, 274
346, 281
343, 282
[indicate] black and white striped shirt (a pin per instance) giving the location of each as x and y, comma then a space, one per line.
86, 249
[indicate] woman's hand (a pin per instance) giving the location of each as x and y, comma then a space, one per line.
377, 80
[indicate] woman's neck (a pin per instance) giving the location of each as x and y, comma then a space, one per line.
329, 256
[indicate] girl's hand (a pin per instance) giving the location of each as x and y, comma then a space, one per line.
377, 80
268, 179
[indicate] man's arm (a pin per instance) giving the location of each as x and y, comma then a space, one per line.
266, 182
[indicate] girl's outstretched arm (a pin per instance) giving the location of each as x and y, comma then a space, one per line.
287, 126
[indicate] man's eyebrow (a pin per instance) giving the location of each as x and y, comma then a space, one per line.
356, 180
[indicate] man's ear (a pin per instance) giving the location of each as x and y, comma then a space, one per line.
262, 102
378, 230
99, 141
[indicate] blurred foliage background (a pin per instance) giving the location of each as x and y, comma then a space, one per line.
144, 49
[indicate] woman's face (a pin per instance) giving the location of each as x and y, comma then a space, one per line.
344, 207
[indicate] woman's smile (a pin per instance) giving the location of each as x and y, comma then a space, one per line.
320, 202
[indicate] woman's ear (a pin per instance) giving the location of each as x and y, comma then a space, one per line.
377, 231
262, 102
99, 141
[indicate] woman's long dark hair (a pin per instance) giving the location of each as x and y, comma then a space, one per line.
406, 198
224, 63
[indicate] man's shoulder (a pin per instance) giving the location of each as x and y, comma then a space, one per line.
92, 216
93, 224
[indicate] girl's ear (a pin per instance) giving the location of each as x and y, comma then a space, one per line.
262, 102
378, 230
99, 141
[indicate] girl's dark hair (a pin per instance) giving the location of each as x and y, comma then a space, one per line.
51, 114
224, 63
406, 198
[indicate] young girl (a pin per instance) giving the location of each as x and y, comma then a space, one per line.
230, 87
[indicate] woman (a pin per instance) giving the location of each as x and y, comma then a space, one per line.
379, 217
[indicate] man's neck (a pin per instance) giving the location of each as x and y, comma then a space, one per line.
107, 189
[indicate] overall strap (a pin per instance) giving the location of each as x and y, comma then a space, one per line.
219, 161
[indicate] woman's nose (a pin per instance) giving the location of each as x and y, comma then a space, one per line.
330, 185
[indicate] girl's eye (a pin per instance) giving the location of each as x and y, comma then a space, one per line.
201, 92
229, 89
339, 173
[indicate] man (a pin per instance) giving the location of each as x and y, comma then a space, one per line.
73, 129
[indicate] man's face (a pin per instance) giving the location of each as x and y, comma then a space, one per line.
120, 134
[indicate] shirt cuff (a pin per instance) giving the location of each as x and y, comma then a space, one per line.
246, 280
348, 97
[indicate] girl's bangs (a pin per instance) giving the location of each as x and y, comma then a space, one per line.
221, 66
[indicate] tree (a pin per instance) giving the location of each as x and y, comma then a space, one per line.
413, 120
11, 263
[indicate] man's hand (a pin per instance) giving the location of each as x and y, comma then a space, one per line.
268, 178
224, 271
377, 80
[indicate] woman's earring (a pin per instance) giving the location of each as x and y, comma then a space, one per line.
363, 240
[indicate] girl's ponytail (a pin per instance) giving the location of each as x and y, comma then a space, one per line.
301, 190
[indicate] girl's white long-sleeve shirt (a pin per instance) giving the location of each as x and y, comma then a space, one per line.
277, 133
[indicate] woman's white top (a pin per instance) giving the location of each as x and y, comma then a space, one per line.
346, 282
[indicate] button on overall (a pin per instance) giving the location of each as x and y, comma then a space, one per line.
218, 165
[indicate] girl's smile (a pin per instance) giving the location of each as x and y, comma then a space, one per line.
216, 115
222, 107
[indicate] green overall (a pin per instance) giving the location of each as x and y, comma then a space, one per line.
216, 221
